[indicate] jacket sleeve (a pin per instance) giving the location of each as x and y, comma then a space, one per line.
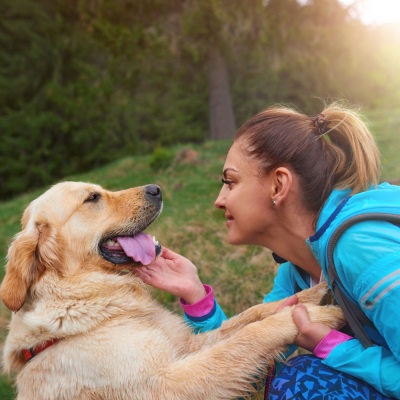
208, 322
283, 287
375, 365
369, 267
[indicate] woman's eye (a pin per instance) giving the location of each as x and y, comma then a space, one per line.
227, 182
93, 198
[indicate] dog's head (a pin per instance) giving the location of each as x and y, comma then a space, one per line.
74, 222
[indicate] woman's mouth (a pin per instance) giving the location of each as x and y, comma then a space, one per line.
229, 220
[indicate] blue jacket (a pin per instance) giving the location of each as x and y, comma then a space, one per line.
367, 259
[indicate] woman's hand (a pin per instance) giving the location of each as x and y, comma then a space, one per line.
290, 301
174, 274
310, 333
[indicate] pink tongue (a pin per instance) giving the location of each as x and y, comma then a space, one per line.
140, 247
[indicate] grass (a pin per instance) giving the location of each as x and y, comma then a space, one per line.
190, 224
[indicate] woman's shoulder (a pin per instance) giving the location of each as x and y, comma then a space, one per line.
341, 206
370, 220
363, 240
369, 249
382, 198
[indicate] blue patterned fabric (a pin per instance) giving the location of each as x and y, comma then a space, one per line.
305, 377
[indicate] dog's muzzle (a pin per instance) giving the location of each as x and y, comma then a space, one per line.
136, 247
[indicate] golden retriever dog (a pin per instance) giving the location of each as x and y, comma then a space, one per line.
85, 327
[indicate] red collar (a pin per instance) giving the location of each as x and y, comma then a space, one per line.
28, 354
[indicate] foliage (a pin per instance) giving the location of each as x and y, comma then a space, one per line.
161, 158
55, 116
86, 82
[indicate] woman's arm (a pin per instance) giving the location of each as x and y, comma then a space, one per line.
367, 259
177, 275
204, 315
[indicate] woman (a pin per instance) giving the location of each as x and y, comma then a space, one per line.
288, 181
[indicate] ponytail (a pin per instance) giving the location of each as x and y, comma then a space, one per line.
333, 150
357, 155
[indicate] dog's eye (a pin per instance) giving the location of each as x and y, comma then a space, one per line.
93, 198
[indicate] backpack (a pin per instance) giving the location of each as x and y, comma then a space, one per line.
362, 327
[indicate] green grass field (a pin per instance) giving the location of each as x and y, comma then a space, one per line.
190, 224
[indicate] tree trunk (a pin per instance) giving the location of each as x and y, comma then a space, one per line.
222, 120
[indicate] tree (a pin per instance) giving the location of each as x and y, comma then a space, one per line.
84, 82
217, 29
56, 113
204, 22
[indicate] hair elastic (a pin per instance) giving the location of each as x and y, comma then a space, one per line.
320, 123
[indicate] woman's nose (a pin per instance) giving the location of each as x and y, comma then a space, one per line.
220, 200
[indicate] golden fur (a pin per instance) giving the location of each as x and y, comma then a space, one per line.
116, 342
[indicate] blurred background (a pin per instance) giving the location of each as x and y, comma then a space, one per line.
85, 82
129, 92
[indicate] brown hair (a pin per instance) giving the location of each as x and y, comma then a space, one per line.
332, 150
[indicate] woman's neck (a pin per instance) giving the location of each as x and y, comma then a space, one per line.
290, 243
310, 265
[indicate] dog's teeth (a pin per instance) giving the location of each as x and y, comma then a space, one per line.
112, 243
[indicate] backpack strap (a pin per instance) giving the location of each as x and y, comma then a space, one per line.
352, 311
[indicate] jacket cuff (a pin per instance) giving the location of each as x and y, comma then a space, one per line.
202, 307
329, 342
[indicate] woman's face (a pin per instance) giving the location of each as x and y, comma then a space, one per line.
246, 197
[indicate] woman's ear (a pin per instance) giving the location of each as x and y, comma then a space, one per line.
282, 181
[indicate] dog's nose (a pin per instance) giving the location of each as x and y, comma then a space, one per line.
154, 192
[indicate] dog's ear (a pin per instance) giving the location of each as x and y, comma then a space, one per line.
21, 269
32, 251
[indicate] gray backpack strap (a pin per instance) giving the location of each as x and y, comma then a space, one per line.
352, 311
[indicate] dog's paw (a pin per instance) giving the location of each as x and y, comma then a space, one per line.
331, 316
319, 294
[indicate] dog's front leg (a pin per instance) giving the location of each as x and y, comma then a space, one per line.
258, 312
226, 369
89, 394
233, 325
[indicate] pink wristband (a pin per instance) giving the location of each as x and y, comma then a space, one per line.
201, 307
329, 342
